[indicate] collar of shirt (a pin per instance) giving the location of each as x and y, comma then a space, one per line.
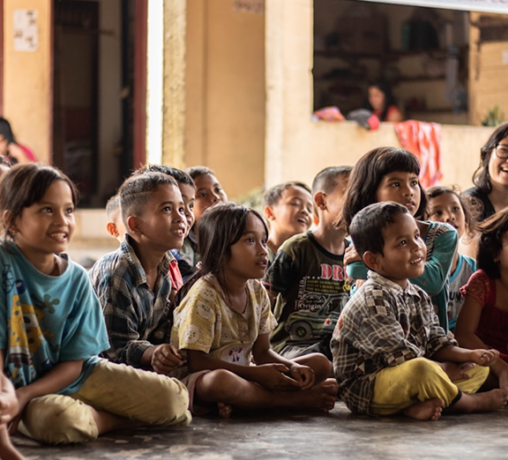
410, 289
133, 260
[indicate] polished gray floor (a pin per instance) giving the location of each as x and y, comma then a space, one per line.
298, 436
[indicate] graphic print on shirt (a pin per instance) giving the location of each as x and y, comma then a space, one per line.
319, 303
28, 337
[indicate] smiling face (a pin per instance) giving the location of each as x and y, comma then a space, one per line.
403, 251
46, 227
249, 256
293, 212
448, 208
498, 167
189, 198
162, 226
401, 187
208, 193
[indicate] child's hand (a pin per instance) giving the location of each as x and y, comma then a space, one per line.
456, 371
351, 255
166, 358
273, 377
483, 357
304, 375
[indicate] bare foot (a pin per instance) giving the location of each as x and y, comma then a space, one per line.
224, 410
320, 397
482, 402
426, 410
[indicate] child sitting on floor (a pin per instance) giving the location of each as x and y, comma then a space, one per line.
483, 319
390, 355
225, 321
445, 205
288, 209
307, 277
132, 283
53, 329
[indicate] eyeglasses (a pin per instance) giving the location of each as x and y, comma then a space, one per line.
502, 151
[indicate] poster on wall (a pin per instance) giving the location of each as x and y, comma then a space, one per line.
25, 30
250, 6
484, 6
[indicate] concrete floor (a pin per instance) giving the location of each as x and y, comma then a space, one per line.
298, 436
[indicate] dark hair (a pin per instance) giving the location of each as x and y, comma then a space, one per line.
196, 171
327, 179
481, 177
273, 195
25, 184
220, 228
6, 131
112, 205
368, 173
490, 243
366, 227
438, 190
137, 190
384, 87
180, 176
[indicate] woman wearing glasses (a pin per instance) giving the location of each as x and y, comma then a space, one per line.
490, 193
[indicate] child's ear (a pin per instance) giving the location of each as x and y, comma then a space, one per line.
133, 224
268, 213
112, 230
371, 260
320, 200
6, 217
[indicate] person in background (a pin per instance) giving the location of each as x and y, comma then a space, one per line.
382, 103
446, 205
115, 226
11, 149
288, 210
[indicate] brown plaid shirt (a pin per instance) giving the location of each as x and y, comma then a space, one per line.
382, 325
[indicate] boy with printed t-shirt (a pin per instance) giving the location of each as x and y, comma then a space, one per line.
307, 277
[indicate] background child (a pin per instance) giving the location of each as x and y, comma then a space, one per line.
208, 193
390, 354
132, 283
288, 209
483, 319
115, 226
307, 276
225, 320
391, 174
446, 205
53, 327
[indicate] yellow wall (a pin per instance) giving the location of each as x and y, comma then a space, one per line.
225, 86
297, 147
27, 80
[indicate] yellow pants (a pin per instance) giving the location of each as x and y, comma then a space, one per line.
420, 379
147, 397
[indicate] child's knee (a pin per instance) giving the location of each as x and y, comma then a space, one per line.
220, 384
58, 419
171, 406
319, 363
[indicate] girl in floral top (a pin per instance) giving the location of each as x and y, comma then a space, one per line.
224, 322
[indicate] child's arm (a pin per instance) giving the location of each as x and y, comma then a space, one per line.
483, 357
270, 376
263, 354
465, 333
437, 267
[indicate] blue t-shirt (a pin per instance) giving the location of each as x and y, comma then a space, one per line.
47, 319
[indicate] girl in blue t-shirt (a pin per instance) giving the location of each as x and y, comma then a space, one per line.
52, 329
391, 174
446, 205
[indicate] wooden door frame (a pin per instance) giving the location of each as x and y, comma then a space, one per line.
140, 64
